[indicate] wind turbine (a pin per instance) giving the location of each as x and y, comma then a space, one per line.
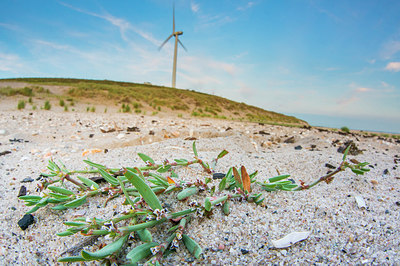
175, 34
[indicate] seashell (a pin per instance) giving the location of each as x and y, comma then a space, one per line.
290, 239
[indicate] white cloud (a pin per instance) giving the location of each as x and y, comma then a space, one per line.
123, 25
389, 49
10, 63
195, 7
248, 5
363, 90
393, 66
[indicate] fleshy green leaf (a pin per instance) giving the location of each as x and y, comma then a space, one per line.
75, 203
140, 252
31, 198
144, 190
88, 182
60, 190
207, 204
192, 246
109, 178
71, 259
195, 149
222, 184
145, 235
95, 165
226, 207
278, 178
146, 158
187, 192
164, 168
105, 251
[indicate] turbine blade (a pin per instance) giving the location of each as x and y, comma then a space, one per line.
173, 18
182, 45
159, 48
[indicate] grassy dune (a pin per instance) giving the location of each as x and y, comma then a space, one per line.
133, 97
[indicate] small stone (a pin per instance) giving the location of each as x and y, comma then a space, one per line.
22, 191
387, 212
27, 180
398, 203
289, 140
190, 260
26, 221
218, 175
91, 135
4, 153
330, 166
151, 132
3, 132
374, 182
386, 172
298, 147
133, 129
120, 136
244, 251
221, 246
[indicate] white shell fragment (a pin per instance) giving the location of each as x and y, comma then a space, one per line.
360, 202
290, 239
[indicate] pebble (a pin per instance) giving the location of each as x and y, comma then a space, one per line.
218, 175
27, 180
22, 191
3, 132
244, 251
298, 147
26, 221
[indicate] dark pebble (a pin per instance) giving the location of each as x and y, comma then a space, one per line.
22, 191
289, 140
386, 172
26, 221
4, 153
133, 129
398, 203
13, 208
91, 135
244, 251
151, 132
228, 128
387, 212
190, 260
298, 147
218, 175
27, 180
262, 132
330, 166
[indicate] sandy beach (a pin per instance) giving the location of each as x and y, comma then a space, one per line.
340, 231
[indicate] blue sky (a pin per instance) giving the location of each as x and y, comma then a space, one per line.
326, 59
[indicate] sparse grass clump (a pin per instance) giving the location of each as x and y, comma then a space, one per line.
8, 91
345, 129
47, 105
21, 104
62, 103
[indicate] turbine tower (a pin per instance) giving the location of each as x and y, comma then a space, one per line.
175, 34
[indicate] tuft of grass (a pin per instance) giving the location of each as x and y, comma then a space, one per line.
47, 105
345, 129
30, 100
93, 109
21, 104
62, 103
65, 108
